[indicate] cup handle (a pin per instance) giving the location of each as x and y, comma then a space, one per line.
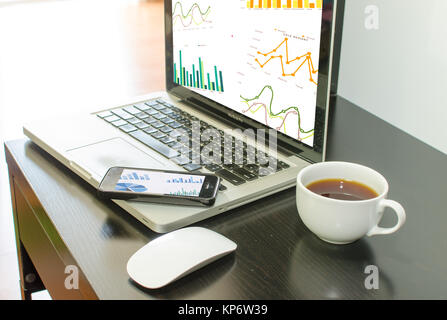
401, 216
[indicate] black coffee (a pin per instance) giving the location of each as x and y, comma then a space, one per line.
342, 190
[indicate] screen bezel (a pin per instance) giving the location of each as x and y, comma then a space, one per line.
326, 88
113, 175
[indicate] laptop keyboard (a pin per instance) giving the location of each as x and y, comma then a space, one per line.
157, 124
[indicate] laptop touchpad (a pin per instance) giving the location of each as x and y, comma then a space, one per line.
99, 157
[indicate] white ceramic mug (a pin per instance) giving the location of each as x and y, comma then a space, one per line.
343, 221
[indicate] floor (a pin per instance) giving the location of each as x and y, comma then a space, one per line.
66, 56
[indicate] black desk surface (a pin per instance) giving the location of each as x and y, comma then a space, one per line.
277, 257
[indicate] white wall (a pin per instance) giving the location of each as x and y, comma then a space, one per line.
398, 72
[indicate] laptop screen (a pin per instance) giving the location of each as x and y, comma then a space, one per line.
258, 58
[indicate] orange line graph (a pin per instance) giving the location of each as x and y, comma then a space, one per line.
305, 57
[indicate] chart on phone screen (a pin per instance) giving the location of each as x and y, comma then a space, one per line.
164, 183
259, 58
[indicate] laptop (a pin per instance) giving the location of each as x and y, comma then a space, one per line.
259, 74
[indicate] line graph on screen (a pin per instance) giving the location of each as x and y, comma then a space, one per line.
194, 16
287, 119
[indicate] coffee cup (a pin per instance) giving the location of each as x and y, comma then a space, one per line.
339, 221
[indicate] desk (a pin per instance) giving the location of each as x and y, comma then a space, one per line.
60, 222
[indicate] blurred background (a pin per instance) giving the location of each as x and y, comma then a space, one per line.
62, 56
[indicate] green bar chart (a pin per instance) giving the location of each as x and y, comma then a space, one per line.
196, 76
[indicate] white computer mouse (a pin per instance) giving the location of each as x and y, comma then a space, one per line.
176, 254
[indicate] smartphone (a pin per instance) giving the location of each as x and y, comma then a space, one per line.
160, 186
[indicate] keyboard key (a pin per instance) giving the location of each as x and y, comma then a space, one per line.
150, 120
152, 112
158, 135
230, 177
251, 167
154, 144
230, 166
132, 110
150, 130
158, 106
134, 121
171, 144
194, 154
142, 106
167, 120
213, 167
282, 165
178, 146
151, 103
111, 118
159, 116
128, 128
104, 114
142, 115
181, 160
175, 125
141, 125
192, 167
278, 168
167, 140
119, 123
264, 164
167, 104
158, 125
167, 111
122, 114
265, 171
176, 133
175, 115
247, 175
165, 129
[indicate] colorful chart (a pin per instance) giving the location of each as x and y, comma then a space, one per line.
155, 182
196, 76
188, 193
135, 176
285, 119
190, 179
258, 58
285, 4
130, 187
288, 67
194, 16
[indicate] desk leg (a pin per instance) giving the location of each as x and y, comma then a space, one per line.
29, 278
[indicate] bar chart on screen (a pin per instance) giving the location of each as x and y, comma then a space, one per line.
135, 176
188, 179
197, 73
283, 4
184, 192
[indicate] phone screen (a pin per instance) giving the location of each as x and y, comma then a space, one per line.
163, 183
